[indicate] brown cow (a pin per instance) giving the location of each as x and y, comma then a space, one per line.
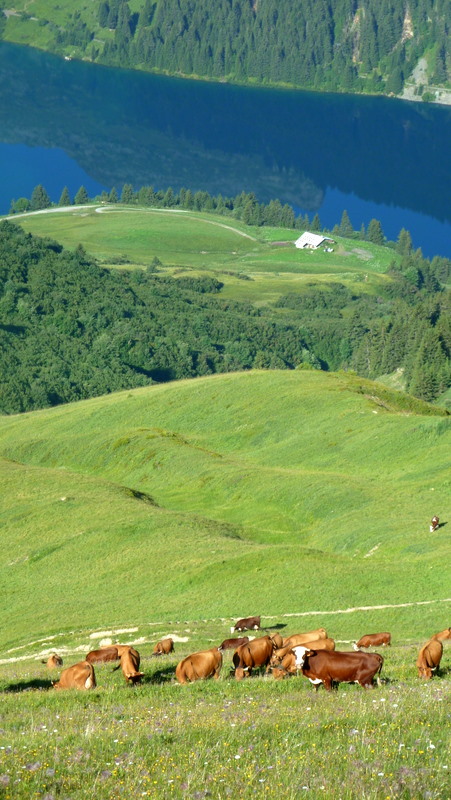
232, 644
103, 655
319, 644
302, 638
373, 640
80, 676
163, 647
277, 639
199, 666
429, 658
446, 634
253, 655
53, 661
327, 667
247, 624
435, 524
130, 660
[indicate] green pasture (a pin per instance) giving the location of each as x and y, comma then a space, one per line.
202, 241
224, 738
228, 495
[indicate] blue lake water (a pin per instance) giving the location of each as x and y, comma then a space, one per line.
72, 124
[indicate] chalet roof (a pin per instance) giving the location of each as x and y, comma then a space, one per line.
310, 240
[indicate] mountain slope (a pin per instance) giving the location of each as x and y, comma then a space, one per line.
206, 496
349, 45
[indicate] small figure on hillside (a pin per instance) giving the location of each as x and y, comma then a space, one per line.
434, 524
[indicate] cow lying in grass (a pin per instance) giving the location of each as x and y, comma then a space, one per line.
79, 676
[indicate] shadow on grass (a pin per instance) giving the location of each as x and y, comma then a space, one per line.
27, 686
163, 675
280, 626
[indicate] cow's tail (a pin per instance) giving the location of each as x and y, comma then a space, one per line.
378, 672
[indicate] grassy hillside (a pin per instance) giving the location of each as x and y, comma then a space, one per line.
200, 241
224, 496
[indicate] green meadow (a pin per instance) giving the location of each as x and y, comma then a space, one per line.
201, 241
223, 496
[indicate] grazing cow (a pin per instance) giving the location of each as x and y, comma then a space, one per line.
130, 660
303, 638
429, 658
53, 661
247, 624
200, 666
446, 634
277, 639
80, 676
163, 647
331, 667
435, 523
103, 655
253, 655
373, 640
232, 644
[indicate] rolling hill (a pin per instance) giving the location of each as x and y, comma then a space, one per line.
283, 492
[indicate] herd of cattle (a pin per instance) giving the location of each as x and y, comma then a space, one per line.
313, 654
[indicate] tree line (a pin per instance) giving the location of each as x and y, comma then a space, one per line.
243, 206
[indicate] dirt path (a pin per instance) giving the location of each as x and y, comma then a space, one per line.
43, 649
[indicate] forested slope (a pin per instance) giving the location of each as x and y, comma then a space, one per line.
71, 329
350, 45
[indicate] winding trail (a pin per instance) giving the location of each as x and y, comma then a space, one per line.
114, 210
165, 625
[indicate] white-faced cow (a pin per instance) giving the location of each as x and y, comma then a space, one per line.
247, 624
373, 640
199, 666
435, 523
331, 667
79, 676
429, 658
319, 644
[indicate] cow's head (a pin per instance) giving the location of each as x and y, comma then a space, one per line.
277, 657
301, 654
354, 644
277, 639
425, 672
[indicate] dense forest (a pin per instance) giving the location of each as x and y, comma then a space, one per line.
347, 45
70, 329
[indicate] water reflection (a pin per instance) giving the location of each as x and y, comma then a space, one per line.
121, 127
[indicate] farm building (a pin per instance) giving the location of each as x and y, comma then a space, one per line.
311, 240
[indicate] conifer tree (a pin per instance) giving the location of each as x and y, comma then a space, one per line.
375, 233
81, 197
39, 198
65, 198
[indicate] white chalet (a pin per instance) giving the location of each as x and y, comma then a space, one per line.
311, 240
